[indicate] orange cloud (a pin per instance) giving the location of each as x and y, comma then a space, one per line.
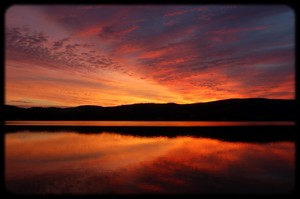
51, 88
151, 55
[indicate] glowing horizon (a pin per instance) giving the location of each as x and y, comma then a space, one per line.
110, 55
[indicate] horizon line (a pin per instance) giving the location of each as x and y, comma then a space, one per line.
43, 106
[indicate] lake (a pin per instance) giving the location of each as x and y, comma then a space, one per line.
97, 158
150, 123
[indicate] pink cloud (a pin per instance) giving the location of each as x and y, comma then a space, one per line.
238, 30
176, 13
181, 12
127, 30
91, 31
159, 46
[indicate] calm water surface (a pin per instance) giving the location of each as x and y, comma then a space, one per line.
150, 123
109, 162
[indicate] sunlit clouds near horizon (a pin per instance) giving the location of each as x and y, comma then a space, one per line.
109, 55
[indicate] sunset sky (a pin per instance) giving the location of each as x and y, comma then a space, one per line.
110, 55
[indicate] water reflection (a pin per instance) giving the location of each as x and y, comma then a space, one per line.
107, 162
150, 123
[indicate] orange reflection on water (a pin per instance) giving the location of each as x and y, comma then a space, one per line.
114, 163
42, 152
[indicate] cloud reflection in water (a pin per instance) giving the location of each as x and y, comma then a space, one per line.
69, 162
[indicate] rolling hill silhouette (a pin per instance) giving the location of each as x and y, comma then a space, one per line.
251, 109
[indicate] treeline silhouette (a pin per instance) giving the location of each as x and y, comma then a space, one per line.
251, 109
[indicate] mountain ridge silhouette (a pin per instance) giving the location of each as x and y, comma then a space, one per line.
235, 109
